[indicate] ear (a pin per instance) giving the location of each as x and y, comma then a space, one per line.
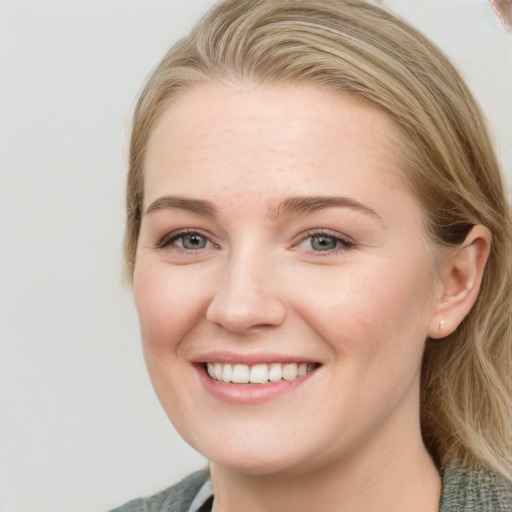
460, 271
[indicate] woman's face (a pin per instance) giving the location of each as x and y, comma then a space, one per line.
278, 245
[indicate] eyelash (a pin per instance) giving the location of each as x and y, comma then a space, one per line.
342, 242
169, 239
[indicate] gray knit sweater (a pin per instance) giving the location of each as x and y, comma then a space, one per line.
464, 490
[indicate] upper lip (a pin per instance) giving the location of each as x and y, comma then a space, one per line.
251, 359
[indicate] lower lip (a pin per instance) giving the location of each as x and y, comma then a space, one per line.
249, 394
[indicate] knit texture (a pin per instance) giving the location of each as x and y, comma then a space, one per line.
474, 490
174, 499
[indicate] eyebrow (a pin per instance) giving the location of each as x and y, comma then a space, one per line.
289, 206
199, 206
310, 204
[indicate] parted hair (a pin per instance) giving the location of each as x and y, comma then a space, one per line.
446, 160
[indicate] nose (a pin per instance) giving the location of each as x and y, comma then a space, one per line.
246, 296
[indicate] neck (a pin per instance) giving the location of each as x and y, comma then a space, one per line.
400, 477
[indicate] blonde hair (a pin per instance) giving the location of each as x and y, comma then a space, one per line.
447, 161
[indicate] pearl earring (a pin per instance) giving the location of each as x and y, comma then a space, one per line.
441, 324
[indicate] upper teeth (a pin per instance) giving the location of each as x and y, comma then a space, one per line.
258, 373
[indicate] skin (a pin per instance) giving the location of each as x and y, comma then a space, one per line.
347, 438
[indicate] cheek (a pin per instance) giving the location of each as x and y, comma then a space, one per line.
167, 302
169, 305
371, 309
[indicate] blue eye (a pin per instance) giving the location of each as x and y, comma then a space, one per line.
193, 241
187, 240
326, 242
323, 242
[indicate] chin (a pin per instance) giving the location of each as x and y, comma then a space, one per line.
251, 464
259, 455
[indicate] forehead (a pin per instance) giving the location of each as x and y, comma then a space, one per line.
255, 138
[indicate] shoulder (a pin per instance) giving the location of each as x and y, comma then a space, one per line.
468, 489
174, 499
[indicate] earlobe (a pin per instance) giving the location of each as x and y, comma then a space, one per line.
461, 271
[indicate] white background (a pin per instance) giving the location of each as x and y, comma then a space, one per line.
80, 429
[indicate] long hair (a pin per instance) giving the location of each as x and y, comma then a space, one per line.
446, 160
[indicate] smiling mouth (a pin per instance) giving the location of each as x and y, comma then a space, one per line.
259, 373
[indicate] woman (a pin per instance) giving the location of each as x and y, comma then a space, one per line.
319, 244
